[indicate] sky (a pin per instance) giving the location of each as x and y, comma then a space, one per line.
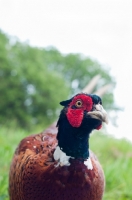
100, 29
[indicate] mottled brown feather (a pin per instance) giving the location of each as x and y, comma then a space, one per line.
34, 175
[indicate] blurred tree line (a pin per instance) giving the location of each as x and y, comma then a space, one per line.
34, 80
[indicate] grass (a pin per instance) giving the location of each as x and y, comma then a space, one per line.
114, 155
116, 159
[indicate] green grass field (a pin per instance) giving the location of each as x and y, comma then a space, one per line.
114, 155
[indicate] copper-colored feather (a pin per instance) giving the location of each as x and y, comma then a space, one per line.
34, 175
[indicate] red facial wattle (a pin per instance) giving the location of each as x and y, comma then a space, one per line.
75, 115
75, 112
87, 102
99, 127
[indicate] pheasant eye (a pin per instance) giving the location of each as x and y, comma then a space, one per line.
78, 103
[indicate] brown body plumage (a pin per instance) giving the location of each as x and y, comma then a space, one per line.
36, 175
33, 175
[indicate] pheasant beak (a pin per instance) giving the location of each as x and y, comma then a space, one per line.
98, 112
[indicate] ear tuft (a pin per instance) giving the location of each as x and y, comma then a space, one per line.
96, 99
66, 102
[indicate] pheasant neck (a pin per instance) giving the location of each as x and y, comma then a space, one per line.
73, 141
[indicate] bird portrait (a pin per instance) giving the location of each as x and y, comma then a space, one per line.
58, 164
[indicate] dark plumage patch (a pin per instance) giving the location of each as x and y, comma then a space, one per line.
96, 99
74, 140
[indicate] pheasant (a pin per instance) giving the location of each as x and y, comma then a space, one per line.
57, 163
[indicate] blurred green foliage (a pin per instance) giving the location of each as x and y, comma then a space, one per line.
114, 155
34, 80
30, 93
